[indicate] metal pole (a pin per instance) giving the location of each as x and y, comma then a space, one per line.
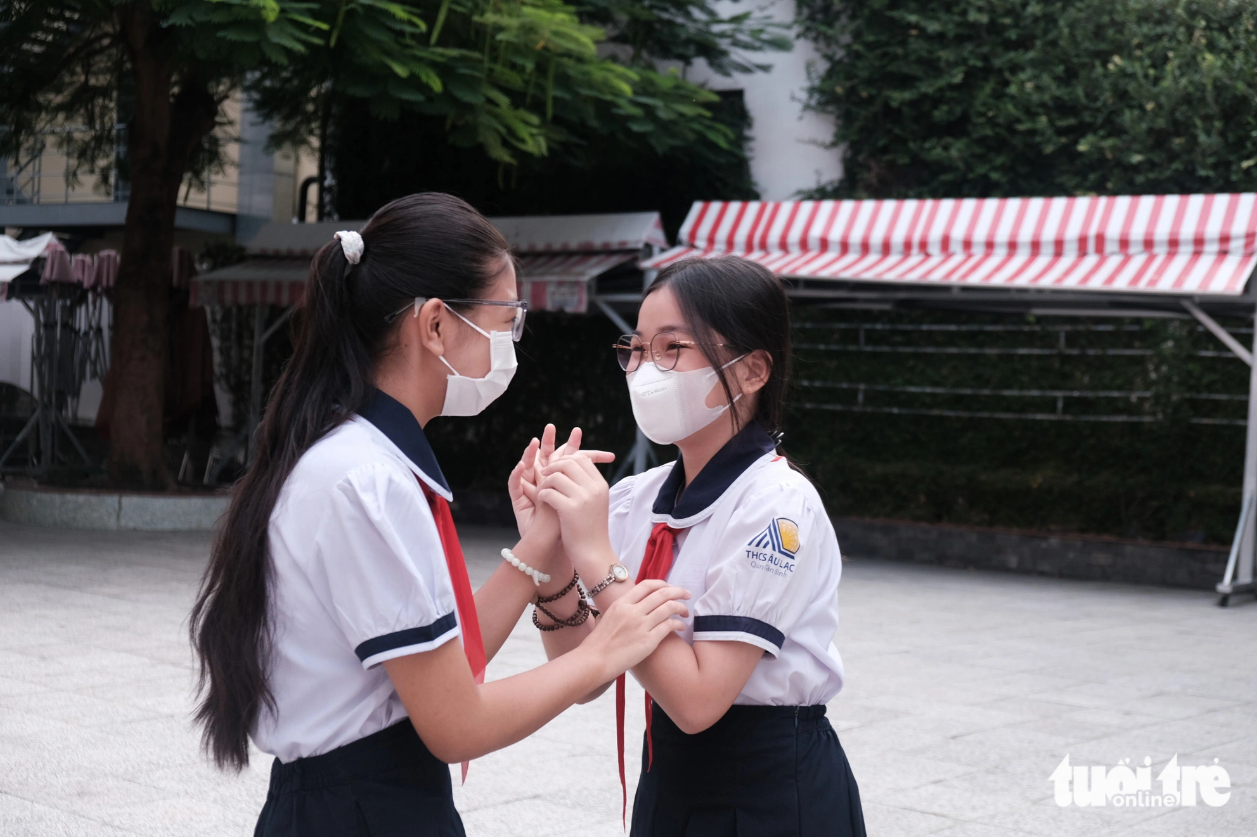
1246, 534
1217, 331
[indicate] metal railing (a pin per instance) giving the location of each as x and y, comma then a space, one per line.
1057, 398
1061, 332
43, 174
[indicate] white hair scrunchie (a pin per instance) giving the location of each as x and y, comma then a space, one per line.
351, 244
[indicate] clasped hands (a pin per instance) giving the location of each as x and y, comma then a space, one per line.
560, 491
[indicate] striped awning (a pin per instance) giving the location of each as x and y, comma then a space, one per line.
549, 280
569, 267
1150, 244
252, 282
560, 281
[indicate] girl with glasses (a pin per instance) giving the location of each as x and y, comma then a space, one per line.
326, 620
736, 739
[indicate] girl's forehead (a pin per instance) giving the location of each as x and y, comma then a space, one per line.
660, 311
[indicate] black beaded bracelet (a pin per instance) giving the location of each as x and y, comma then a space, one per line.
583, 612
570, 585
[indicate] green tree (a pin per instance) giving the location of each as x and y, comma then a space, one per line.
495, 72
1026, 97
606, 164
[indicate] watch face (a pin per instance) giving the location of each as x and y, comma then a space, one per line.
620, 572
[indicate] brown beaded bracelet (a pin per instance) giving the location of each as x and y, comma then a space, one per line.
584, 608
583, 612
571, 584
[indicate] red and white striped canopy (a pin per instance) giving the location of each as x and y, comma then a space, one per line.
253, 282
1171, 244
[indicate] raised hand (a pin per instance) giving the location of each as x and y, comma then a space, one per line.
575, 489
523, 482
522, 486
572, 447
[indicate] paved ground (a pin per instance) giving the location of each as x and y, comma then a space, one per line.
965, 692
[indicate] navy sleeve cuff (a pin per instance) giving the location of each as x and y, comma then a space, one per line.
430, 635
740, 625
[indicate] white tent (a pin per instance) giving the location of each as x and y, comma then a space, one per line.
16, 256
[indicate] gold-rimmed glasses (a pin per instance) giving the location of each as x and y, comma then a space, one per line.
664, 348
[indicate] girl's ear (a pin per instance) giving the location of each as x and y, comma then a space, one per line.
430, 326
757, 368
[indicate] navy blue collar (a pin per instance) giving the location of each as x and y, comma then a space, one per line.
394, 420
738, 454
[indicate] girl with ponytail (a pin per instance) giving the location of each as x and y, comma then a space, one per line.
324, 621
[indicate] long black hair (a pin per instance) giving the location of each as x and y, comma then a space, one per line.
424, 245
743, 305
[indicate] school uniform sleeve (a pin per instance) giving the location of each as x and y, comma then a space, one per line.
383, 568
764, 569
619, 505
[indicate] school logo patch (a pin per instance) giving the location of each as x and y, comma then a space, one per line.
773, 549
781, 535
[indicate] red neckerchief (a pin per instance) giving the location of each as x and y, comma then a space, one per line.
464, 599
655, 564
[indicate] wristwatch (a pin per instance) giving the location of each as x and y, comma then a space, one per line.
617, 574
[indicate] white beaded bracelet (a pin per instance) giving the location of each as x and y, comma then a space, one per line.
536, 575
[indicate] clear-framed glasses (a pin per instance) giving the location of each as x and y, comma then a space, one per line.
517, 324
664, 350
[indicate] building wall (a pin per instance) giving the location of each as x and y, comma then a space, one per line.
787, 141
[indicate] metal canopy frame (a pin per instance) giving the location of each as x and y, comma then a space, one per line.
871, 295
244, 438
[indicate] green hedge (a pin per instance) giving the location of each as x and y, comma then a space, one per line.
1023, 97
1166, 479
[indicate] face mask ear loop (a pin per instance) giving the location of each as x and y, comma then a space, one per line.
469, 322
724, 407
448, 366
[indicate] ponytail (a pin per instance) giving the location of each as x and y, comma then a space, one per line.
424, 245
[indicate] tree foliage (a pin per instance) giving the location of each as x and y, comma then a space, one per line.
513, 77
68, 65
684, 31
660, 159
1027, 97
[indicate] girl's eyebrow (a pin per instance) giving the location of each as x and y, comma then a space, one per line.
672, 328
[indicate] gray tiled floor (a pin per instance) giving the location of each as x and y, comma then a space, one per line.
965, 690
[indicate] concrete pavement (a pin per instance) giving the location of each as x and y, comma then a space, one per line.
965, 691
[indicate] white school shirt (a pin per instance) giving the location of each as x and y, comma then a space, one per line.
758, 554
359, 577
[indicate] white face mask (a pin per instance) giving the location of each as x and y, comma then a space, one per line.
469, 396
669, 406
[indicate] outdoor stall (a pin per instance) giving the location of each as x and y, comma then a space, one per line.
1117, 256
565, 263
63, 295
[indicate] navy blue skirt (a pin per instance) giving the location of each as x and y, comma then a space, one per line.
760, 771
385, 785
